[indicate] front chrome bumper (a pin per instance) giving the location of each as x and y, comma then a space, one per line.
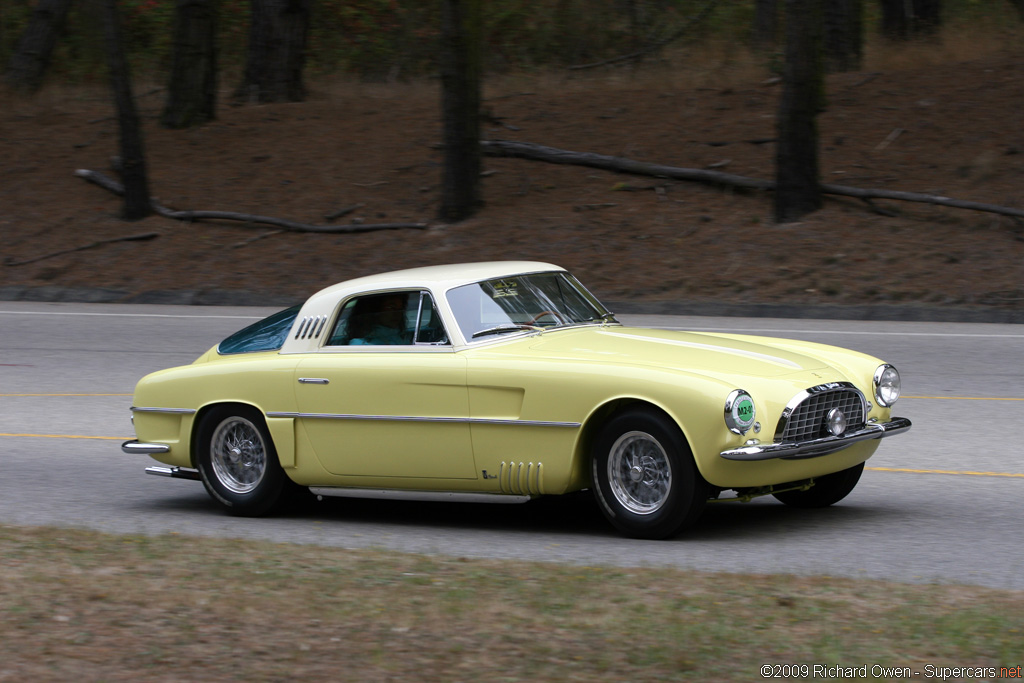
818, 447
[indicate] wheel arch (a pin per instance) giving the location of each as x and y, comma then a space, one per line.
201, 413
596, 421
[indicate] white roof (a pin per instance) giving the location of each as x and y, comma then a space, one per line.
320, 308
437, 278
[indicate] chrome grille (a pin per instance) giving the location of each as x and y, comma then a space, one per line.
805, 416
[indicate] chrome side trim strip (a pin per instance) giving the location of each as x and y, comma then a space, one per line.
172, 411
405, 418
818, 447
429, 496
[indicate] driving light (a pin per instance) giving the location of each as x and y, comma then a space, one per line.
887, 385
739, 412
835, 422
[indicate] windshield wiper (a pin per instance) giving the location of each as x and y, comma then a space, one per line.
514, 327
606, 317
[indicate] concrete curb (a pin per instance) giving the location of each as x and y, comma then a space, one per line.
886, 312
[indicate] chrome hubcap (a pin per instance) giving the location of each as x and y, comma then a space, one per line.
639, 473
237, 454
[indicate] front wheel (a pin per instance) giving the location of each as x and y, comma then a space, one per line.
826, 491
237, 461
645, 479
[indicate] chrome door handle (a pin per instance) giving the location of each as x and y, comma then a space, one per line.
313, 380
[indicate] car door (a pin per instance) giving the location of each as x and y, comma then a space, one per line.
387, 396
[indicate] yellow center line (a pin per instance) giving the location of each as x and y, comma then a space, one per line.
965, 398
957, 472
66, 436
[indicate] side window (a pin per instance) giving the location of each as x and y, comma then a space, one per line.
375, 320
388, 319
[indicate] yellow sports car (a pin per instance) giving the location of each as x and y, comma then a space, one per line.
506, 381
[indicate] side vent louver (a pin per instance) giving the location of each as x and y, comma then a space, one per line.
521, 478
311, 327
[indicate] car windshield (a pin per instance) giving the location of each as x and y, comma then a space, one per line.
523, 303
266, 335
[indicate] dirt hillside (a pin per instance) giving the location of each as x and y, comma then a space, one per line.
954, 130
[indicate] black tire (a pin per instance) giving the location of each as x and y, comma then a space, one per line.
644, 477
826, 491
237, 461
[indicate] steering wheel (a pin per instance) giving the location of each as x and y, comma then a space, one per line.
553, 314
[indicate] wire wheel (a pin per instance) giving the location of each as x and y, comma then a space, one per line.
639, 473
238, 455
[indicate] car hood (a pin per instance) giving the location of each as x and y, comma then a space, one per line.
690, 351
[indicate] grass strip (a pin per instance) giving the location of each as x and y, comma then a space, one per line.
77, 604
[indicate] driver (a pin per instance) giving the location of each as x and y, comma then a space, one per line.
379, 321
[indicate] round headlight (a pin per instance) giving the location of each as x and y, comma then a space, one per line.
887, 385
739, 412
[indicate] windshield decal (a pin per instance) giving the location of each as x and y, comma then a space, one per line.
504, 288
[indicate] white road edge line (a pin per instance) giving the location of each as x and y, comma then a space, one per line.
135, 315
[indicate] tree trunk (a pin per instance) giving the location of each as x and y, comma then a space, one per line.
928, 15
844, 35
460, 104
1019, 4
277, 51
796, 157
906, 19
895, 24
28, 64
133, 158
766, 24
192, 89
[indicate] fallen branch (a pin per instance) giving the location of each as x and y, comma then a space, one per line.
106, 183
98, 243
257, 238
526, 150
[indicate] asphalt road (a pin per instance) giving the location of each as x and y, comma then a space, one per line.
942, 503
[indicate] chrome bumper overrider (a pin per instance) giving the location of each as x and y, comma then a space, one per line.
818, 447
135, 448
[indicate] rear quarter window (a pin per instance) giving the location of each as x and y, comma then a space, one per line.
266, 335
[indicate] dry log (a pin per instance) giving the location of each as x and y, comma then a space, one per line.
111, 185
98, 243
526, 150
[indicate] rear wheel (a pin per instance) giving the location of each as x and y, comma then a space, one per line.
237, 461
827, 490
645, 479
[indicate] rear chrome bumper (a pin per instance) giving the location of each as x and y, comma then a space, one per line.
818, 447
174, 472
134, 447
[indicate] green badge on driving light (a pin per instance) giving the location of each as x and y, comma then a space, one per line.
744, 410
739, 412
